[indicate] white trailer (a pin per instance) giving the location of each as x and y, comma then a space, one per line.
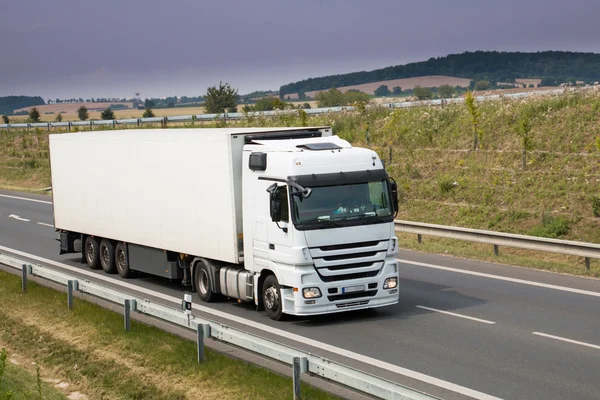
295, 220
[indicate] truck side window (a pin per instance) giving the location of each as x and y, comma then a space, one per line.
283, 197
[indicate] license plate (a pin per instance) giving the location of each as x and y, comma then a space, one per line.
352, 289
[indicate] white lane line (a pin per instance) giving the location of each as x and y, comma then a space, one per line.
44, 224
279, 332
503, 278
25, 199
14, 216
456, 315
593, 346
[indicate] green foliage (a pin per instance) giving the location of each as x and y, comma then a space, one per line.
483, 85
10, 103
148, 113
34, 115
219, 99
422, 93
446, 185
598, 142
493, 66
474, 113
107, 114
596, 206
82, 113
270, 103
330, 98
5, 119
3, 359
551, 227
59, 117
446, 91
382, 90
397, 90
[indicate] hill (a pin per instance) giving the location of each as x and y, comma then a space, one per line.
493, 66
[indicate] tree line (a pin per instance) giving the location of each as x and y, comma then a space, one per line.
493, 66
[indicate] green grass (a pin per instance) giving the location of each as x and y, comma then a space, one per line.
17, 383
89, 348
427, 149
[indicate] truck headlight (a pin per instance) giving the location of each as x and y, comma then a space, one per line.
390, 283
311, 293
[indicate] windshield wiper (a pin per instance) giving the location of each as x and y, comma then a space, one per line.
300, 191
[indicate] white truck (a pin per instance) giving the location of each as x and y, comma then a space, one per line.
295, 220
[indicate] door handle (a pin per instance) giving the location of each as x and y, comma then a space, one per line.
271, 246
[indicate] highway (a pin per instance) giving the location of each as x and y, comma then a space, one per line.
484, 330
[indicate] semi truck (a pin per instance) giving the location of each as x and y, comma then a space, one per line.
294, 219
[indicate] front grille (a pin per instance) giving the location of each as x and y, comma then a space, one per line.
347, 256
348, 266
348, 246
349, 296
347, 277
353, 304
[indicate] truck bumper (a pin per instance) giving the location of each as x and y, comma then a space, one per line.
295, 304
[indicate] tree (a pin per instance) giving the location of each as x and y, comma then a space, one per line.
149, 103
221, 98
301, 95
474, 112
397, 90
107, 114
59, 118
34, 115
148, 113
82, 113
446, 91
355, 96
382, 90
330, 98
422, 93
483, 85
270, 103
5, 119
307, 106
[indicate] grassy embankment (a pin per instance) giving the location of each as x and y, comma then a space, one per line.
443, 180
88, 349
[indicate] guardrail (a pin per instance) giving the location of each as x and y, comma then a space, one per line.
236, 116
567, 247
301, 362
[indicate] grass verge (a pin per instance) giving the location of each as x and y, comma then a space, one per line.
88, 348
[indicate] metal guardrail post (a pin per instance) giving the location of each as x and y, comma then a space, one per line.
587, 263
128, 305
71, 286
496, 249
203, 333
24, 278
299, 365
420, 238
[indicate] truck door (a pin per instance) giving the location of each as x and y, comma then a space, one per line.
279, 237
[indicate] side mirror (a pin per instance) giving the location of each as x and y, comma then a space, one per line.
394, 188
275, 203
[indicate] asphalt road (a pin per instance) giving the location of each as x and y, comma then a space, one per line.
502, 331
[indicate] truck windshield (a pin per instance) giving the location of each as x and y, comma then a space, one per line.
368, 200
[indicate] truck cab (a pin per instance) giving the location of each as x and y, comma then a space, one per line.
318, 226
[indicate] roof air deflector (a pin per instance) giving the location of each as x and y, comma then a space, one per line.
319, 146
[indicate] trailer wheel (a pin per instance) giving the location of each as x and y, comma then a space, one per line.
203, 285
121, 261
271, 296
91, 252
107, 256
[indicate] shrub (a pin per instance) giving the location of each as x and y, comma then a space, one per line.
596, 206
551, 227
446, 185
148, 113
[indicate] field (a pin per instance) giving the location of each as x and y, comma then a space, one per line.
442, 180
72, 107
405, 83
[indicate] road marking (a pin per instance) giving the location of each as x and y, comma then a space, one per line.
18, 218
456, 315
278, 332
26, 199
44, 224
504, 278
593, 346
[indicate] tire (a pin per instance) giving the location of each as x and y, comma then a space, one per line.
107, 256
91, 252
121, 262
271, 296
203, 283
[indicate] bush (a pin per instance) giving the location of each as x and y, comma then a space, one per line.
446, 185
551, 227
596, 206
107, 114
148, 113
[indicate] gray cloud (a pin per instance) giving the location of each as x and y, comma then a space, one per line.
65, 48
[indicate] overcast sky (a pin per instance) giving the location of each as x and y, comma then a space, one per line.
114, 48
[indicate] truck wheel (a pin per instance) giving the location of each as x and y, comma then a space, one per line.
91, 252
271, 293
203, 284
121, 261
107, 256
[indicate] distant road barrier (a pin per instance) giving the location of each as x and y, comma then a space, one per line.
237, 116
567, 247
300, 361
